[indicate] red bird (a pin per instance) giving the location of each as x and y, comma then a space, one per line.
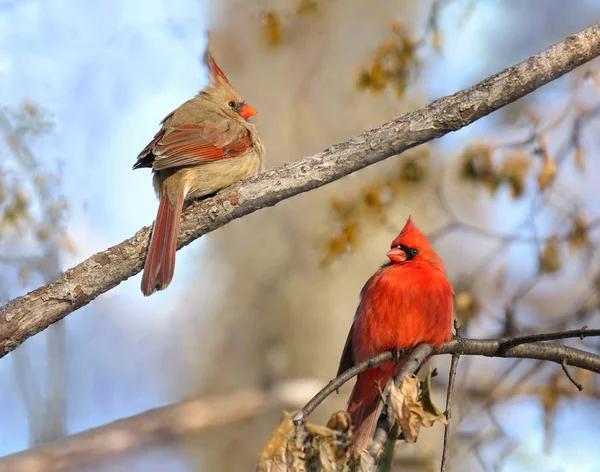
408, 301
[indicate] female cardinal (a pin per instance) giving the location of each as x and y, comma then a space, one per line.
408, 301
203, 146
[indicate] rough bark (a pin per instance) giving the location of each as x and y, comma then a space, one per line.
35, 311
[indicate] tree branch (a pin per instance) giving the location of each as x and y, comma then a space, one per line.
31, 313
451, 378
158, 425
528, 346
504, 347
544, 351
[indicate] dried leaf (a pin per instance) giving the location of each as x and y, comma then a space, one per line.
549, 400
272, 28
407, 408
312, 447
413, 170
578, 235
319, 430
579, 159
478, 166
377, 78
345, 241
395, 61
339, 421
43, 232
333, 442
307, 6
549, 259
466, 305
372, 197
432, 413
282, 453
514, 171
413, 407
547, 174
363, 79
437, 41
365, 462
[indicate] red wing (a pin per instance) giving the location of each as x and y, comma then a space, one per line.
193, 145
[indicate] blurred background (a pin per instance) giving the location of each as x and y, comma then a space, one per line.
265, 303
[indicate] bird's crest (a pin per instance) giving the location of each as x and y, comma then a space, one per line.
411, 236
215, 73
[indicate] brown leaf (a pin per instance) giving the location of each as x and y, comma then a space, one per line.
579, 159
514, 171
365, 462
282, 453
339, 421
413, 170
547, 174
319, 430
332, 442
407, 408
307, 6
578, 236
413, 407
432, 413
478, 166
466, 305
377, 77
550, 259
363, 79
311, 447
272, 28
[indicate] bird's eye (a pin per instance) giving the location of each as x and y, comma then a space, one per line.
231, 104
413, 251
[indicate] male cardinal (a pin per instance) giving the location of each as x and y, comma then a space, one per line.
408, 301
203, 146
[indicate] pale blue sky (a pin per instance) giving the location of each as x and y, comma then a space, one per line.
108, 72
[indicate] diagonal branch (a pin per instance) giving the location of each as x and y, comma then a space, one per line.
169, 423
34, 312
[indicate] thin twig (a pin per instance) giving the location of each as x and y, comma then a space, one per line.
451, 377
336, 383
532, 338
569, 376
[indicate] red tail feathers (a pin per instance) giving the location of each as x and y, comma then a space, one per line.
363, 407
160, 261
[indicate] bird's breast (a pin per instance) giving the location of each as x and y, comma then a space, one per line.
209, 178
400, 309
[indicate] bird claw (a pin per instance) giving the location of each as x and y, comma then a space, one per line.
298, 419
397, 355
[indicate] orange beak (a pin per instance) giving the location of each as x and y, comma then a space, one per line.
396, 255
247, 111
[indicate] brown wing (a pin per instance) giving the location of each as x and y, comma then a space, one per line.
146, 158
184, 145
347, 359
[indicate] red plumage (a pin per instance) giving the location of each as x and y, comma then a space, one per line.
405, 303
160, 260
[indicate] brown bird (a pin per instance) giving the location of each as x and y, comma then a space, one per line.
203, 146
